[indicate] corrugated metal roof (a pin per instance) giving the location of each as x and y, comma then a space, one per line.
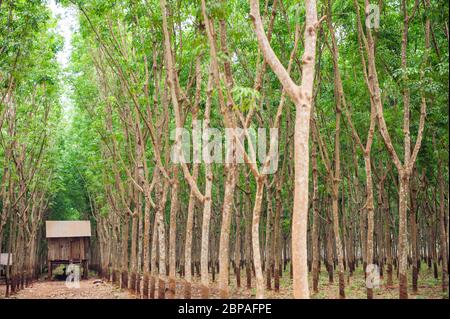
4, 259
64, 228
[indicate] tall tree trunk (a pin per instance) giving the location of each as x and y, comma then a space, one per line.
388, 238
402, 236
224, 244
413, 226
237, 247
442, 231
278, 248
207, 204
255, 240
248, 238
370, 221
124, 250
133, 256
174, 206
269, 241
302, 98
188, 243
159, 219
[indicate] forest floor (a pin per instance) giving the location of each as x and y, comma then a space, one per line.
93, 288
355, 288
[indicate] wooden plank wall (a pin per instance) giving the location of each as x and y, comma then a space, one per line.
74, 248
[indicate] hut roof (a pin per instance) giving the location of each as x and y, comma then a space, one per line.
58, 229
4, 259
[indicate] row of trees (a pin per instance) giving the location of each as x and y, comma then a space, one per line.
29, 113
351, 98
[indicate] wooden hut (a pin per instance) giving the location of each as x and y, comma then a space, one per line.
68, 243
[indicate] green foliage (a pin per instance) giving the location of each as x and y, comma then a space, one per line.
245, 98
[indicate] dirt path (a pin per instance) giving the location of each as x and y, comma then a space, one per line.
89, 289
